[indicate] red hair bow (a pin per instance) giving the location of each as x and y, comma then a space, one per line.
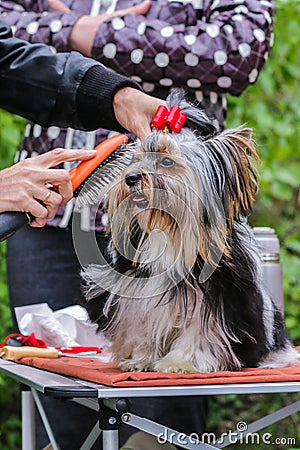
169, 120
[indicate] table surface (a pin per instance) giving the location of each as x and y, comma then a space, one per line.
56, 385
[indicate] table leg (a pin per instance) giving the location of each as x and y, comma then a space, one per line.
28, 420
110, 439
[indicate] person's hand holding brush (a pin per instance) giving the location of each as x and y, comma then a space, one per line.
26, 186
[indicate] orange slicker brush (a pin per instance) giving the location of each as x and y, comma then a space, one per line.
80, 174
93, 175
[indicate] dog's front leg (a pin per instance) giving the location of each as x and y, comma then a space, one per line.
140, 358
191, 353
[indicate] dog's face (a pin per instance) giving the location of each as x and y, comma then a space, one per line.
184, 192
157, 187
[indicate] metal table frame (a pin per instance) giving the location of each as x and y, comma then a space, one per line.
113, 406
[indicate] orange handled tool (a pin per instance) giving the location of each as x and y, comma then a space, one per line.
106, 158
85, 169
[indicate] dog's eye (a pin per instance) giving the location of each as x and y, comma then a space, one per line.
167, 162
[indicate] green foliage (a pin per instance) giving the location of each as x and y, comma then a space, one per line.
11, 130
225, 412
10, 425
272, 108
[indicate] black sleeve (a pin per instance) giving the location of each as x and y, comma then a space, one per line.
64, 89
95, 95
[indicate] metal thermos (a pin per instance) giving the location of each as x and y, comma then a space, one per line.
268, 245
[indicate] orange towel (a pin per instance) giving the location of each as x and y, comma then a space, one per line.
91, 369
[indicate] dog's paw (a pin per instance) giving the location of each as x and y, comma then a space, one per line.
130, 365
175, 366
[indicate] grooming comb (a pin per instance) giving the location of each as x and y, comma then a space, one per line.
93, 175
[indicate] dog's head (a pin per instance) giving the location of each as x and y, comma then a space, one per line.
185, 190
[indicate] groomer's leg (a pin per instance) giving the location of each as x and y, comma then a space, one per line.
184, 414
144, 441
42, 267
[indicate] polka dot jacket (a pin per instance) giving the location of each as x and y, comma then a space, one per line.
210, 48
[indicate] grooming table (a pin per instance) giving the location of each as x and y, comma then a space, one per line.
112, 405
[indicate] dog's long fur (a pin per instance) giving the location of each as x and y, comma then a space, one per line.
183, 292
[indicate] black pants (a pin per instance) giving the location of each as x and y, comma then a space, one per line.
43, 267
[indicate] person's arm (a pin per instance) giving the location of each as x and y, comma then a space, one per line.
43, 86
67, 89
221, 48
34, 21
52, 22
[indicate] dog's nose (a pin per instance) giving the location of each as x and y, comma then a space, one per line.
132, 178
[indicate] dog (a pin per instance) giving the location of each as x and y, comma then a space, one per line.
183, 291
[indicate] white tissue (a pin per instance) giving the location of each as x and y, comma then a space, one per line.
63, 328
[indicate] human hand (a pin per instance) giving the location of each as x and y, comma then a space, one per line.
134, 110
84, 30
58, 5
25, 185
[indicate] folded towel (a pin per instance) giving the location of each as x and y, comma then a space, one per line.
91, 369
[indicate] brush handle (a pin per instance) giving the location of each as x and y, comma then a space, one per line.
79, 174
15, 353
10, 222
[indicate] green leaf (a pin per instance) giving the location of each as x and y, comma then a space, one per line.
281, 191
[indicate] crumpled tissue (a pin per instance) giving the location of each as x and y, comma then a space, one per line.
65, 327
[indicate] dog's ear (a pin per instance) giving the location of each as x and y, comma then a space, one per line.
244, 177
235, 153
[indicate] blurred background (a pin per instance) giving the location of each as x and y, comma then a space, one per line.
272, 109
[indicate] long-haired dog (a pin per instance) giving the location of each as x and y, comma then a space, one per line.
183, 290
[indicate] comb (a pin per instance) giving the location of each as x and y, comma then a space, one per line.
94, 175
